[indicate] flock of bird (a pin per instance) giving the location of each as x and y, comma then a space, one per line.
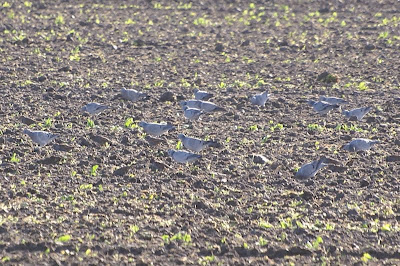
193, 109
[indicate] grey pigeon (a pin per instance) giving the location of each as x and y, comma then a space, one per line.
196, 145
260, 99
192, 113
202, 95
183, 156
360, 145
202, 105
358, 112
322, 107
40, 137
133, 95
332, 100
310, 169
154, 129
94, 108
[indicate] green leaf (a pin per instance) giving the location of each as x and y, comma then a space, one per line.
64, 238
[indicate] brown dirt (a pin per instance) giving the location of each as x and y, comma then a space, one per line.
140, 206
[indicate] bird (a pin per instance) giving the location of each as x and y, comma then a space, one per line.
133, 95
196, 145
154, 129
192, 113
94, 108
310, 169
202, 95
360, 145
332, 100
358, 112
40, 137
260, 99
183, 156
322, 107
202, 105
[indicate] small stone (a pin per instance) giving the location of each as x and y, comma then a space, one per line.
245, 43
122, 171
167, 96
64, 69
50, 160
99, 139
219, 47
393, 158
62, 147
339, 196
260, 159
364, 183
27, 121
41, 78
307, 195
369, 47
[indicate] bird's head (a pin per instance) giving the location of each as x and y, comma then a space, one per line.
181, 137
347, 147
310, 102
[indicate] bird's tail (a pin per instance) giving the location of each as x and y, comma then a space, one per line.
322, 162
375, 142
170, 126
217, 109
144, 96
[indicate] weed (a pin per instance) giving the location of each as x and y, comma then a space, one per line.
366, 257
90, 123
14, 158
262, 242
64, 238
264, 224
94, 169
59, 20
362, 86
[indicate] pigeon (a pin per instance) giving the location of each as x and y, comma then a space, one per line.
310, 169
154, 129
183, 156
192, 113
40, 137
202, 95
332, 100
358, 112
202, 105
360, 145
322, 107
133, 95
196, 145
94, 108
260, 99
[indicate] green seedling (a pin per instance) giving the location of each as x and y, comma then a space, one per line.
90, 123
64, 238
94, 170
262, 242
366, 257
14, 158
59, 20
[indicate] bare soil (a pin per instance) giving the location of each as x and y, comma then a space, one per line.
138, 206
